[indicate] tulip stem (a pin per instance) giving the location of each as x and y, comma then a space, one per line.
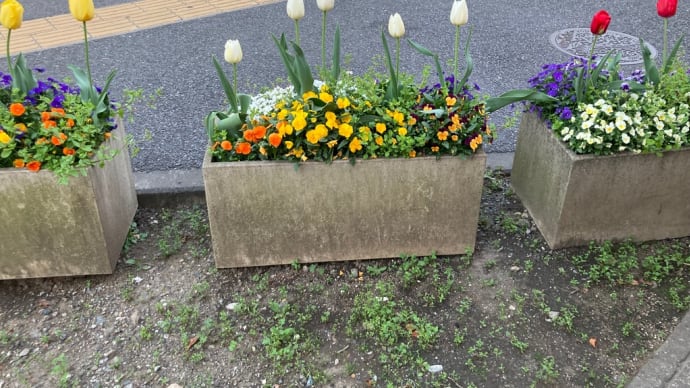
457, 54
234, 77
397, 57
9, 59
663, 57
591, 57
297, 32
323, 42
86, 55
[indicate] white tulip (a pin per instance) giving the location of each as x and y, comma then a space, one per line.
396, 27
295, 9
459, 13
233, 51
325, 5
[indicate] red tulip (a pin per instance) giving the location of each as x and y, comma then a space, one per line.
666, 8
600, 22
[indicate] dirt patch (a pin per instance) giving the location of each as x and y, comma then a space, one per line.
513, 314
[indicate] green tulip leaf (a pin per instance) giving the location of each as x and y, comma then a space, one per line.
392, 91
513, 96
245, 100
335, 70
227, 87
288, 60
306, 80
469, 65
424, 51
672, 55
651, 71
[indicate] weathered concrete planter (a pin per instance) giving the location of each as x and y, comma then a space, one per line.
575, 199
51, 229
266, 213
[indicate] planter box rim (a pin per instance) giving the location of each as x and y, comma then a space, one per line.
208, 163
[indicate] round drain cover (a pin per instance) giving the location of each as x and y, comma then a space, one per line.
578, 41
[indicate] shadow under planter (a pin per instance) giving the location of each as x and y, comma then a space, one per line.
79, 228
575, 199
268, 213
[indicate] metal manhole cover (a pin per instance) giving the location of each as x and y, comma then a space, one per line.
578, 41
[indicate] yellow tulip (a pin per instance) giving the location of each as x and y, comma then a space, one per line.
82, 10
11, 14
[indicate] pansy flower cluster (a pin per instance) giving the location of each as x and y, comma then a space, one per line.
50, 128
348, 123
648, 119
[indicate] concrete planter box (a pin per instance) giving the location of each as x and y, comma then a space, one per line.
575, 199
51, 229
267, 213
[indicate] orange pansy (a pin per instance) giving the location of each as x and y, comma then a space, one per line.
33, 165
17, 109
243, 148
274, 139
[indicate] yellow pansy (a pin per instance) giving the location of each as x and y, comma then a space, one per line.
413, 153
4, 137
378, 140
322, 130
289, 144
380, 127
450, 101
402, 131
343, 102
310, 94
346, 118
325, 97
332, 143
345, 130
299, 121
313, 136
331, 120
399, 117
355, 145
284, 128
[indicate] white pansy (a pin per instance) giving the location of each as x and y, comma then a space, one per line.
625, 138
620, 124
600, 102
609, 127
658, 124
591, 110
587, 124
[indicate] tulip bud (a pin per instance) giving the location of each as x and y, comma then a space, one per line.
295, 9
666, 8
82, 10
233, 51
395, 26
600, 23
11, 14
325, 5
459, 13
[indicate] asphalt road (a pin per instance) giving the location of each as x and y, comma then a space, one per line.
510, 43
